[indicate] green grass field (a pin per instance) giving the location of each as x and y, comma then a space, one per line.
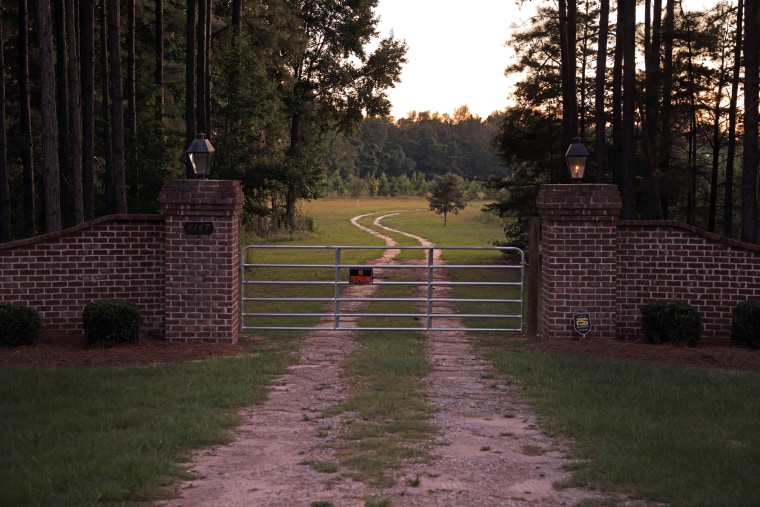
102, 436
118, 436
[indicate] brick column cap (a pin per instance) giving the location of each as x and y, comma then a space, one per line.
187, 193
583, 195
579, 200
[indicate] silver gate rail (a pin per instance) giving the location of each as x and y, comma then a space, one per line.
334, 288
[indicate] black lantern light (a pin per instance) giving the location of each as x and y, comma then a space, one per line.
201, 154
576, 156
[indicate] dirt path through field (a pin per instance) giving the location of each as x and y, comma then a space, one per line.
488, 451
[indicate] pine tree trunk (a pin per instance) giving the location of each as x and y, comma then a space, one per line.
728, 213
717, 138
190, 82
567, 20
75, 111
200, 70
87, 69
617, 104
62, 109
601, 78
750, 156
207, 72
160, 96
628, 13
5, 193
106, 110
665, 142
25, 117
651, 206
691, 206
49, 121
117, 106
133, 171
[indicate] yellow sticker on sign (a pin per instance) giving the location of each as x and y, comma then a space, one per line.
582, 323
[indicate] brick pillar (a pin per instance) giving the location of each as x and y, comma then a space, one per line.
579, 258
202, 259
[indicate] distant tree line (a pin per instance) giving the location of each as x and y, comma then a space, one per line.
389, 157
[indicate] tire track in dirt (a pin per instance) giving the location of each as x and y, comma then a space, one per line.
488, 450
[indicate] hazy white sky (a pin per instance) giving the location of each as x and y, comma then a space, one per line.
456, 53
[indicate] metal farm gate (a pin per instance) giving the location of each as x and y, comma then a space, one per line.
337, 288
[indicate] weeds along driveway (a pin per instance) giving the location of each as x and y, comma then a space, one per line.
487, 449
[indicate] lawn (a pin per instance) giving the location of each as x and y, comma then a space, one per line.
89, 436
677, 435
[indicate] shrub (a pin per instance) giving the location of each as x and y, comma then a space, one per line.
19, 325
745, 326
111, 321
672, 321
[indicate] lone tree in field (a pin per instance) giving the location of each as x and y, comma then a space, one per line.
447, 195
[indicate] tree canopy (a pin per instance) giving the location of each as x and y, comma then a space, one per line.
668, 133
268, 82
292, 93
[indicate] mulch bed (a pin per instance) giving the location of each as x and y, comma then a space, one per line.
715, 354
72, 350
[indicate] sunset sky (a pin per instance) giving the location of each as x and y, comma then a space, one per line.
456, 53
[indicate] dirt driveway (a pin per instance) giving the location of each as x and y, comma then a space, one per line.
488, 451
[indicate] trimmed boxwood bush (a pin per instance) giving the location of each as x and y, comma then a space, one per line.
745, 326
111, 321
671, 321
19, 325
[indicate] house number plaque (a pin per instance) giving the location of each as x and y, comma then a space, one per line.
198, 227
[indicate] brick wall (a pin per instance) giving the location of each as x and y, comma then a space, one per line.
58, 274
186, 285
592, 262
668, 259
